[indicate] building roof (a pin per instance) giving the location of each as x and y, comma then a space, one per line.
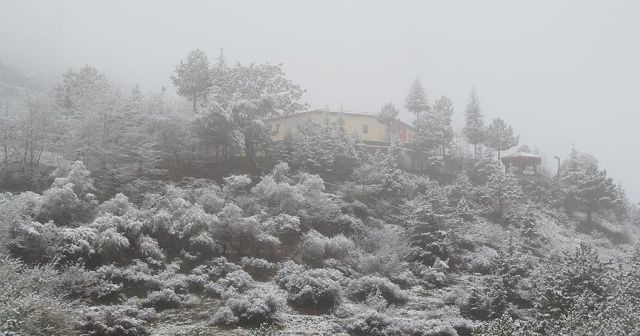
522, 155
360, 114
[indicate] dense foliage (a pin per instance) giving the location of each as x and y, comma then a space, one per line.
142, 214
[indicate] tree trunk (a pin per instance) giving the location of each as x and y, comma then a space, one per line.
475, 151
195, 97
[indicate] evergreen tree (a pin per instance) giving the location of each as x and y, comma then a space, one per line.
504, 189
387, 115
416, 102
500, 136
443, 112
589, 187
433, 128
82, 91
569, 278
529, 230
192, 77
474, 130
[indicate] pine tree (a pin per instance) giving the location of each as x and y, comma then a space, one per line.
433, 128
504, 188
589, 187
500, 136
474, 130
416, 102
529, 230
443, 112
192, 77
569, 278
387, 115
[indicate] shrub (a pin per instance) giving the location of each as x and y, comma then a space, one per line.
150, 248
373, 323
316, 289
361, 288
112, 244
89, 286
285, 227
137, 278
60, 205
258, 267
30, 302
314, 248
162, 299
216, 268
115, 321
117, 206
254, 307
236, 281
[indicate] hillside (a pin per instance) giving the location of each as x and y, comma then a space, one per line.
136, 214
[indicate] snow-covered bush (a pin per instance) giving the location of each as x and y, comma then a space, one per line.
316, 289
167, 298
255, 307
216, 268
360, 288
115, 320
210, 199
257, 267
117, 206
30, 302
285, 227
162, 299
112, 245
314, 248
77, 177
385, 250
61, 205
136, 278
372, 323
235, 184
236, 281
150, 248
85, 285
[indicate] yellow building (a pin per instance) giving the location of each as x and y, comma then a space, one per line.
366, 126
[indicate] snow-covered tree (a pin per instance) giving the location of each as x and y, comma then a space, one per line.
81, 89
433, 128
474, 130
504, 190
569, 278
249, 95
416, 101
192, 77
387, 115
585, 185
323, 149
500, 136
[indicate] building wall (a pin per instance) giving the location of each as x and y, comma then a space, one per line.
353, 124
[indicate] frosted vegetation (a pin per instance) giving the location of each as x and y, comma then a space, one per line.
126, 214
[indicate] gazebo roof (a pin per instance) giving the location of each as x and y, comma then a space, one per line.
522, 156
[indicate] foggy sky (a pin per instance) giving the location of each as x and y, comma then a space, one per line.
560, 72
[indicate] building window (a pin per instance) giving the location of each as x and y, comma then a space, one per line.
365, 129
277, 128
529, 170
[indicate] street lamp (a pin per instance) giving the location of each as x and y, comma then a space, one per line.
557, 158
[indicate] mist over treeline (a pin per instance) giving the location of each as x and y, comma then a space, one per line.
142, 209
333, 170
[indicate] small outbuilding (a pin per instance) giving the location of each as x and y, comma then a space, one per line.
522, 163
